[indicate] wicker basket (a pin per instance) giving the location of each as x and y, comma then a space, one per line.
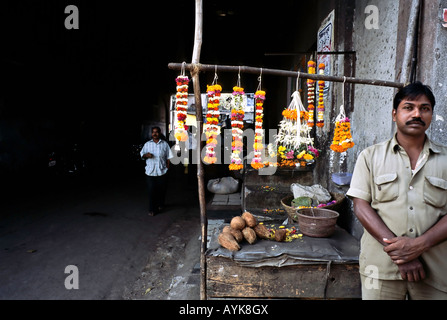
317, 222
291, 211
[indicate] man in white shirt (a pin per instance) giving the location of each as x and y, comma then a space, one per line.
157, 153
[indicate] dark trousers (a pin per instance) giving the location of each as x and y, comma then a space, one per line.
157, 187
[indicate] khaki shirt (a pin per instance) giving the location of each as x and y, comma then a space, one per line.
408, 201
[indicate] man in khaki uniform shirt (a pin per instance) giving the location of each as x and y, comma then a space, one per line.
399, 190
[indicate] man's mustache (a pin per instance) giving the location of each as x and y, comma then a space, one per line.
416, 121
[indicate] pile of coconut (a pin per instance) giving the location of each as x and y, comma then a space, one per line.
246, 227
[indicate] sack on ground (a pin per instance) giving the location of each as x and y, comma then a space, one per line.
225, 185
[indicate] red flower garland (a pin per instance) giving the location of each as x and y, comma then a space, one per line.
181, 107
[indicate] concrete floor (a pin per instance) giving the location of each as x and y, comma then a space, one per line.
99, 224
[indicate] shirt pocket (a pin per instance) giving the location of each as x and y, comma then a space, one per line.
386, 187
435, 191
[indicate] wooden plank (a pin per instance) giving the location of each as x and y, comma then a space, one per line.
227, 279
284, 73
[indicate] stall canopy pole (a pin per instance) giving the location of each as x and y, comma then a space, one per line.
285, 73
199, 121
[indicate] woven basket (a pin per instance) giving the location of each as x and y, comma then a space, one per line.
291, 211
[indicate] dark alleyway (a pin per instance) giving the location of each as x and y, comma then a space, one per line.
96, 222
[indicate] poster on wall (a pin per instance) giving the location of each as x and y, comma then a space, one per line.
325, 43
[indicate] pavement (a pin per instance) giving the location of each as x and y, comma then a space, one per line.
98, 224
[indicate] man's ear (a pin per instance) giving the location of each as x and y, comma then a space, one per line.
393, 114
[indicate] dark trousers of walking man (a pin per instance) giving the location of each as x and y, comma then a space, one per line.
157, 188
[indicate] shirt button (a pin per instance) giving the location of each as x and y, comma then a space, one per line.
411, 208
411, 230
411, 187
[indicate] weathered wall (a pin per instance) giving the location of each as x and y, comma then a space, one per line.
376, 56
379, 56
432, 64
369, 107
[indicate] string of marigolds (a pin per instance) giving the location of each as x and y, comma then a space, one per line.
321, 84
342, 140
211, 127
311, 65
237, 124
258, 146
181, 107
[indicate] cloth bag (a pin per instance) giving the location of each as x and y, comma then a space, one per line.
316, 192
225, 185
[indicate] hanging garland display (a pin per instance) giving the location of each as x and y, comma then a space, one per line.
295, 146
259, 131
181, 105
211, 127
237, 124
321, 84
342, 140
311, 94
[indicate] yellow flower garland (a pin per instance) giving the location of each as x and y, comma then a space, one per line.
311, 94
211, 127
321, 84
342, 140
256, 162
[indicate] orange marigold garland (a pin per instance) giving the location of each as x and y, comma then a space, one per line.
321, 84
311, 93
342, 140
211, 127
258, 146
237, 124
181, 104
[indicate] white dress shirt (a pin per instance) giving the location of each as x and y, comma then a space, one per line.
156, 166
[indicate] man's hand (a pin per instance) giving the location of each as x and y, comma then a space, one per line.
403, 249
404, 252
148, 155
412, 271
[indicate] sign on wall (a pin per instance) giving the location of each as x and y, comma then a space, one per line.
325, 43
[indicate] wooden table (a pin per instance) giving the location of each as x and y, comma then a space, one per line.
307, 268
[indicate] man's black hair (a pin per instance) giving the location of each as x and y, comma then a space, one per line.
162, 136
412, 91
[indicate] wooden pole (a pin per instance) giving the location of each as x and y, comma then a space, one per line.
409, 41
285, 73
199, 119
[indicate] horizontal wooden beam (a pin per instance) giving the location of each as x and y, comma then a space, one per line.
282, 73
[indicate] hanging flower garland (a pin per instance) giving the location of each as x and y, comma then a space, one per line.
342, 140
311, 94
237, 124
181, 104
258, 146
321, 84
293, 139
211, 128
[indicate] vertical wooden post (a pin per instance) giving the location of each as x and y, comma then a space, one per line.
199, 118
